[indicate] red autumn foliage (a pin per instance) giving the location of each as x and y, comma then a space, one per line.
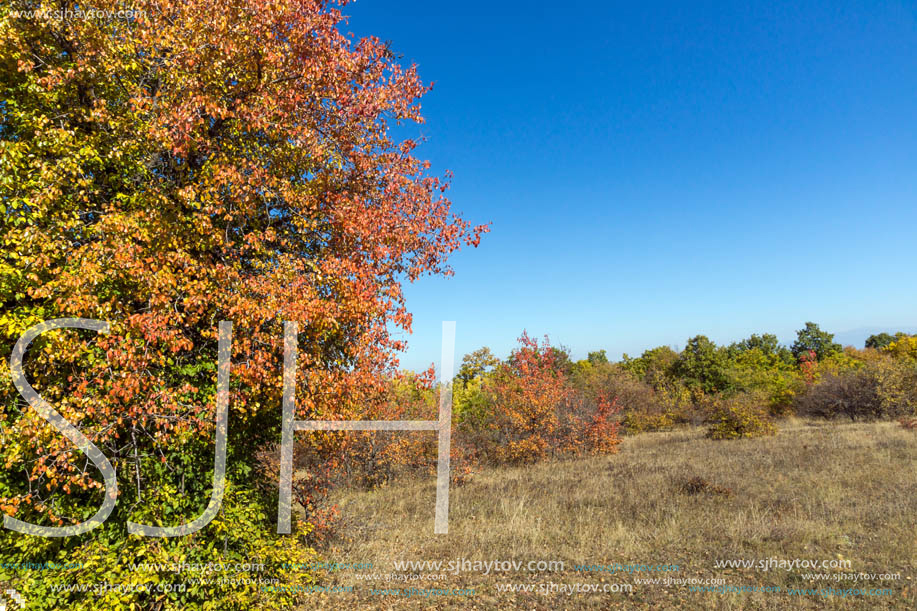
602, 431
808, 365
533, 411
208, 161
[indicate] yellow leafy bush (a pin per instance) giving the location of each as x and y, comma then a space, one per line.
743, 416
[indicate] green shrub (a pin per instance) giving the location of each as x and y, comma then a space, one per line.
640, 422
244, 532
737, 417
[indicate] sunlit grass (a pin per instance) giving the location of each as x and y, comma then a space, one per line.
815, 491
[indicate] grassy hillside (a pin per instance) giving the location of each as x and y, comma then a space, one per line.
816, 491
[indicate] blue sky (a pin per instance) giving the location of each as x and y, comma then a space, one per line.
657, 170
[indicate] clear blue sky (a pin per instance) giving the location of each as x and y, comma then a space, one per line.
656, 170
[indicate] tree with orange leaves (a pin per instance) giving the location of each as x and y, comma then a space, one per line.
527, 391
192, 162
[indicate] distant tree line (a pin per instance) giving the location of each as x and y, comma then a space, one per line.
737, 390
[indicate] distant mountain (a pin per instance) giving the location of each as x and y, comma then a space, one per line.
857, 337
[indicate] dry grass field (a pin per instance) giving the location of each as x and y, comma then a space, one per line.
816, 491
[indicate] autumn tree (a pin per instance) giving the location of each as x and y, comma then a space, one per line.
526, 393
761, 364
812, 338
476, 364
704, 366
879, 340
654, 366
198, 161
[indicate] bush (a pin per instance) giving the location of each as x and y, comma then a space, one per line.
526, 394
854, 394
698, 485
740, 416
244, 532
536, 405
588, 425
659, 409
897, 385
641, 422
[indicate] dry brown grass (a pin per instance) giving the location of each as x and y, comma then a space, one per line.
815, 491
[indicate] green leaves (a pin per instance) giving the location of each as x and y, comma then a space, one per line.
812, 338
